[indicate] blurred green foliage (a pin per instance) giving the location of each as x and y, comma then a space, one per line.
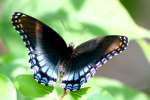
81, 19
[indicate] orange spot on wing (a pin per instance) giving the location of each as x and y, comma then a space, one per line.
117, 44
38, 27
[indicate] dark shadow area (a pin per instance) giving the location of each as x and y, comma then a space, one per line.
139, 10
148, 41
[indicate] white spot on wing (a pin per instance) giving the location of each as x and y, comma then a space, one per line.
51, 83
35, 69
25, 36
86, 69
15, 21
76, 76
114, 53
89, 66
104, 60
15, 17
32, 56
124, 38
93, 71
98, 65
109, 56
70, 77
88, 76
40, 57
69, 87
43, 62
18, 14
65, 77
125, 41
49, 72
75, 87
21, 31
31, 49
17, 26
125, 48
33, 61
81, 72
44, 69
28, 42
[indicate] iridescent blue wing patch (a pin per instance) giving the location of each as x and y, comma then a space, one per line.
45, 46
89, 57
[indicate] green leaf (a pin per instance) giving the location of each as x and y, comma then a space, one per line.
107, 17
145, 47
78, 94
7, 90
77, 4
114, 90
59, 90
29, 87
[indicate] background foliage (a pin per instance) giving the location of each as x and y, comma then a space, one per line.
80, 19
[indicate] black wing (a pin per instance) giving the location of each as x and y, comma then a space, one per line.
45, 46
89, 56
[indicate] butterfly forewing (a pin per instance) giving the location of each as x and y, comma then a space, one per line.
89, 56
45, 46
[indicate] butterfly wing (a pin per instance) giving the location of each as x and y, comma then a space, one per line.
89, 56
45, 46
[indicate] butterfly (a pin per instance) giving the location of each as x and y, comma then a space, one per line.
52, 60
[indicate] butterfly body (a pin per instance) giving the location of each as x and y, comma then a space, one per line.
52, 60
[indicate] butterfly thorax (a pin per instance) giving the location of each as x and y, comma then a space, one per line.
65, 61
71, 51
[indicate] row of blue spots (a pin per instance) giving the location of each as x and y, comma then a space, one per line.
72, 87
44, 80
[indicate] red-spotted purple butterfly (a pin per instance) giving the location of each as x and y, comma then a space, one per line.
52, 60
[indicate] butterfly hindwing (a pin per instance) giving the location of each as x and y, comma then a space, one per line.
89, 56
45, 46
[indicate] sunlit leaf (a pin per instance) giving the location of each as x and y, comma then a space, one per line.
114, 90
29, 87
7, 90
145, 47
78, 94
